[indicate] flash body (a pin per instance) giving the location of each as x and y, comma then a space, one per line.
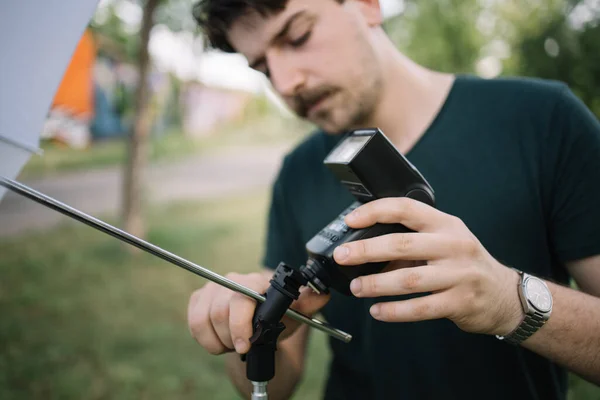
371, 168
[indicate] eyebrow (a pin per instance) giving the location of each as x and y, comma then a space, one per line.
284, 30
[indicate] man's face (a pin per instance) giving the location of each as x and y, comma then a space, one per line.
318, 56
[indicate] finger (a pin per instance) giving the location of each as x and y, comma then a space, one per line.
219, 318
404, 281
192, 307
434, 306
200, 325
411, 213
396, 246
309, 302
241, 312
240, 321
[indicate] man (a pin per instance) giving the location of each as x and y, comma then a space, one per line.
515, 165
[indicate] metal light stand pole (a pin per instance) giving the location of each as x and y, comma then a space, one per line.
165, 255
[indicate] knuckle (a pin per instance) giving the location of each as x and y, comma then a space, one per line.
196, 316
472, 303
403, 207
207, 288
456, 314
214, 348
387, 311
370, 284
197, 320
240, 305
364, 248
479, 277
422, 310
358, 250
410, 280
239, 318
196, 326
470, 300
471, 247
195, 294
466, 247
203, 336
233, 276
403, 243
253, 280
238, 325
257, 280
193, 300
255, 276
237, 297
219, 313
474, 278
457, 221
242, 332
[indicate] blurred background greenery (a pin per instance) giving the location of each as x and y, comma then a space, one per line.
81, 317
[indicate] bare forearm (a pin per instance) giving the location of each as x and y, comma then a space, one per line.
571, 337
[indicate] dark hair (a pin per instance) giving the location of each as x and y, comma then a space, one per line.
216, 16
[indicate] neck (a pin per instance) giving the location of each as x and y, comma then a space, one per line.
411, 99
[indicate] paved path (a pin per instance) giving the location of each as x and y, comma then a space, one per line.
98, 192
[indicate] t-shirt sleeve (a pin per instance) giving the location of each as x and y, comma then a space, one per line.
575, 208
283, 242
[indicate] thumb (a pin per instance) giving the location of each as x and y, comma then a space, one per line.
310, 302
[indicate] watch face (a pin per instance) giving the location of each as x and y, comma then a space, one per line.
538, 294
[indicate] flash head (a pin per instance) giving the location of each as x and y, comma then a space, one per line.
370, 167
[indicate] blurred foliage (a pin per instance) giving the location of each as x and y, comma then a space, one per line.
560, 41
177, 16
552, 39
438, 34
121, 39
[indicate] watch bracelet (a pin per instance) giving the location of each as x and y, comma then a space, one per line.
530, 324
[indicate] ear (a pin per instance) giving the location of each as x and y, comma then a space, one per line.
371, 11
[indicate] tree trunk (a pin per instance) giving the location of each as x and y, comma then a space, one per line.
133, 182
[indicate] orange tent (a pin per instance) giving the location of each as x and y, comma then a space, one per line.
76, 91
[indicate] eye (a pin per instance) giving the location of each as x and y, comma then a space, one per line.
301, 40
264, 69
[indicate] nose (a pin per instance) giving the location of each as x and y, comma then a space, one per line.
286, 76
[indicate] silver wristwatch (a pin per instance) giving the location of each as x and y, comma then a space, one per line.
536, 300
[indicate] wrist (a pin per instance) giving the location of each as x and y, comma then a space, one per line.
512, 310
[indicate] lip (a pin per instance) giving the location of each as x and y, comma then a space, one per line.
319, 104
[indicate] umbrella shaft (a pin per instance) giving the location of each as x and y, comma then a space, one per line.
163, 254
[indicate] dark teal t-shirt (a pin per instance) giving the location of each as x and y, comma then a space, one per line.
518, 160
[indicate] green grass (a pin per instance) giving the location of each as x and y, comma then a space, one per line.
81, 318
